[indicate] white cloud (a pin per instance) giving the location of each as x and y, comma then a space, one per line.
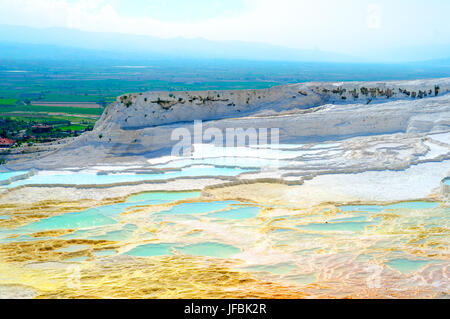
326, 24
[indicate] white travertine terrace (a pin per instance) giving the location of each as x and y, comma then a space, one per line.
332, 135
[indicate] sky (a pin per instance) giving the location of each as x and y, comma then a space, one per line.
346, 26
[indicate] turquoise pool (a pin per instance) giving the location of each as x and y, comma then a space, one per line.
151, 250
161, 197
8, 175
343, 226
405, 265
380, 208
210, 249
197, 208
107, 215
225, 161
93, 179
237, 213
206, 249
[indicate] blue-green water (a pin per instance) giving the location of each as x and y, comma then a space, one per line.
151, 250
210, 249
379, 208
407, 265
413, 205
107, 215
344, 226
98, 223
93, 179
362, 208
248, 162
161, 197
103, 233
197, 208
361, 218
117, 235
92, 217
7, 175
237, 213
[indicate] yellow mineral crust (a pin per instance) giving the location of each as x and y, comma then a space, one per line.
158, 277
49, 250
276, 194
52, 233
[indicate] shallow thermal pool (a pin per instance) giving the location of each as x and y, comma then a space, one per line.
80, 178
7, 175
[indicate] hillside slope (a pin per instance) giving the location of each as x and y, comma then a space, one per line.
139, 126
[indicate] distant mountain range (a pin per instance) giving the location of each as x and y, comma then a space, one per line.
57, 41
18, 42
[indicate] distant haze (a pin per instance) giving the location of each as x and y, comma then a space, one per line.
60, 43
139, 46
320, 30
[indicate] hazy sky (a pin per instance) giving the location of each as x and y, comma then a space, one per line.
346, 26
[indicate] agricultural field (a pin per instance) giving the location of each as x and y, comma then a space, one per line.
36, 109
8, 101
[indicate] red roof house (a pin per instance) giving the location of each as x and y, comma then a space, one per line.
6, 142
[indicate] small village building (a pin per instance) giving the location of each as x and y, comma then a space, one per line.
6, 142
